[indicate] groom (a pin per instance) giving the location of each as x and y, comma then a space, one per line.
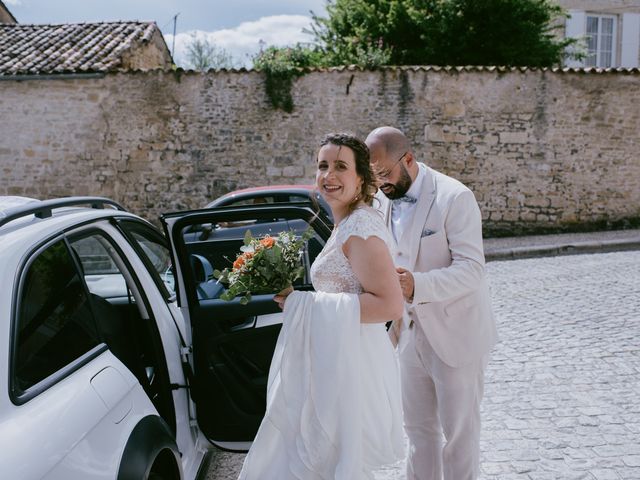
448, 329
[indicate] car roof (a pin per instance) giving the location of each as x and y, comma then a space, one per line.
283, 188
12, 201
30, 223
306, 190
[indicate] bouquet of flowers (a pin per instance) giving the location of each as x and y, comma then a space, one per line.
266, 265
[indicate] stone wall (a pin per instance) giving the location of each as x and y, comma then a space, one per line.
541, 150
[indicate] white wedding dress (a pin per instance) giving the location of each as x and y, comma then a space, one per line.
333, 394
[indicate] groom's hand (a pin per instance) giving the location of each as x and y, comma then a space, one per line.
406, 283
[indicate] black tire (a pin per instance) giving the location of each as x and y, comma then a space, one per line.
164, 467
150, 453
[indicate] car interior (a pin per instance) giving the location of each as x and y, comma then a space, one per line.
233, 344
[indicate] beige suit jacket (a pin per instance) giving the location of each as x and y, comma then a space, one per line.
442, 247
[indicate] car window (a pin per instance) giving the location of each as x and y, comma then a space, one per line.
102, 275
154, 253
55, 325
269, 199
259, 200
253, 201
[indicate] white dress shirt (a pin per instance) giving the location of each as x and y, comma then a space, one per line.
402, 212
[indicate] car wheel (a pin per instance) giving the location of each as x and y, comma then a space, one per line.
150, 452
164, 467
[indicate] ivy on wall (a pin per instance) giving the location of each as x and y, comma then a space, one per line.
278, 85
281, 67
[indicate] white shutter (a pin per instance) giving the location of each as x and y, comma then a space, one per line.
575, 28
630, 40
575, 25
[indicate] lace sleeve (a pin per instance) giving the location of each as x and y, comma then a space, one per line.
365, 223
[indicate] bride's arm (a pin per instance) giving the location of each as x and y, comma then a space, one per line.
371, 262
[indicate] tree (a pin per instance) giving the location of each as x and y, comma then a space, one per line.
442, 32
203, 55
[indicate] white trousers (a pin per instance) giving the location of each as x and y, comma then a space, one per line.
438, 401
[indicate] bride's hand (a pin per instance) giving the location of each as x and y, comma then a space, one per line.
280, 299
282, 295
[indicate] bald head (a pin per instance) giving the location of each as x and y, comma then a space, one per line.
391, 155
388, 141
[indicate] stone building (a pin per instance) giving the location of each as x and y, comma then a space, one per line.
5, 14
609, 29
81, 48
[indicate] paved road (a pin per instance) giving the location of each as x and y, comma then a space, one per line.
562, 399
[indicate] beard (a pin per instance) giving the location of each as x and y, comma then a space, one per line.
400, 188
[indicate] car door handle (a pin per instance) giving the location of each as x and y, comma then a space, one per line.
249, 323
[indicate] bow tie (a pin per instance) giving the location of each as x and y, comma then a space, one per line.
405, 198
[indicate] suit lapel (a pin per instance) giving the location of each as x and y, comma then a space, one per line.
387, 214
385, 208
412, 235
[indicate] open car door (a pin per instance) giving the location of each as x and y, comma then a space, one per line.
232, 343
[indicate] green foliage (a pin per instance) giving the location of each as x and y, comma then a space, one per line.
499, 32
266, 265
441, 32
281, 66
372, 33
203, 55
356, 26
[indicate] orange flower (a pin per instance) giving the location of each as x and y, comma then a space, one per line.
239, 262
267, 242
242, 259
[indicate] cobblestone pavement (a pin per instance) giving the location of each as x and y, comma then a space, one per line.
562, 398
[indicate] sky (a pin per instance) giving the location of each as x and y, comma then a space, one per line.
238, 26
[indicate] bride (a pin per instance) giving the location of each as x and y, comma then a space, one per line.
333, 394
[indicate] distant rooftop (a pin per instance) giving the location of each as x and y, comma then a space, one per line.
81, 47
5, 15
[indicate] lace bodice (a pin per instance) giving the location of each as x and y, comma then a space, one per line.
331, 271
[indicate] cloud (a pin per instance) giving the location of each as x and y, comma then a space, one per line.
12, 2
245, 40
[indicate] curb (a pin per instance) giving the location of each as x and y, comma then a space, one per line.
571, 248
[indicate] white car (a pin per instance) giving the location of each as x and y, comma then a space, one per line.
121, 361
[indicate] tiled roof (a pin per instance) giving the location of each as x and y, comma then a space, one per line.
69, 48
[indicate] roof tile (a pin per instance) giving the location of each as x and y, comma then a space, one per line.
88, 47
